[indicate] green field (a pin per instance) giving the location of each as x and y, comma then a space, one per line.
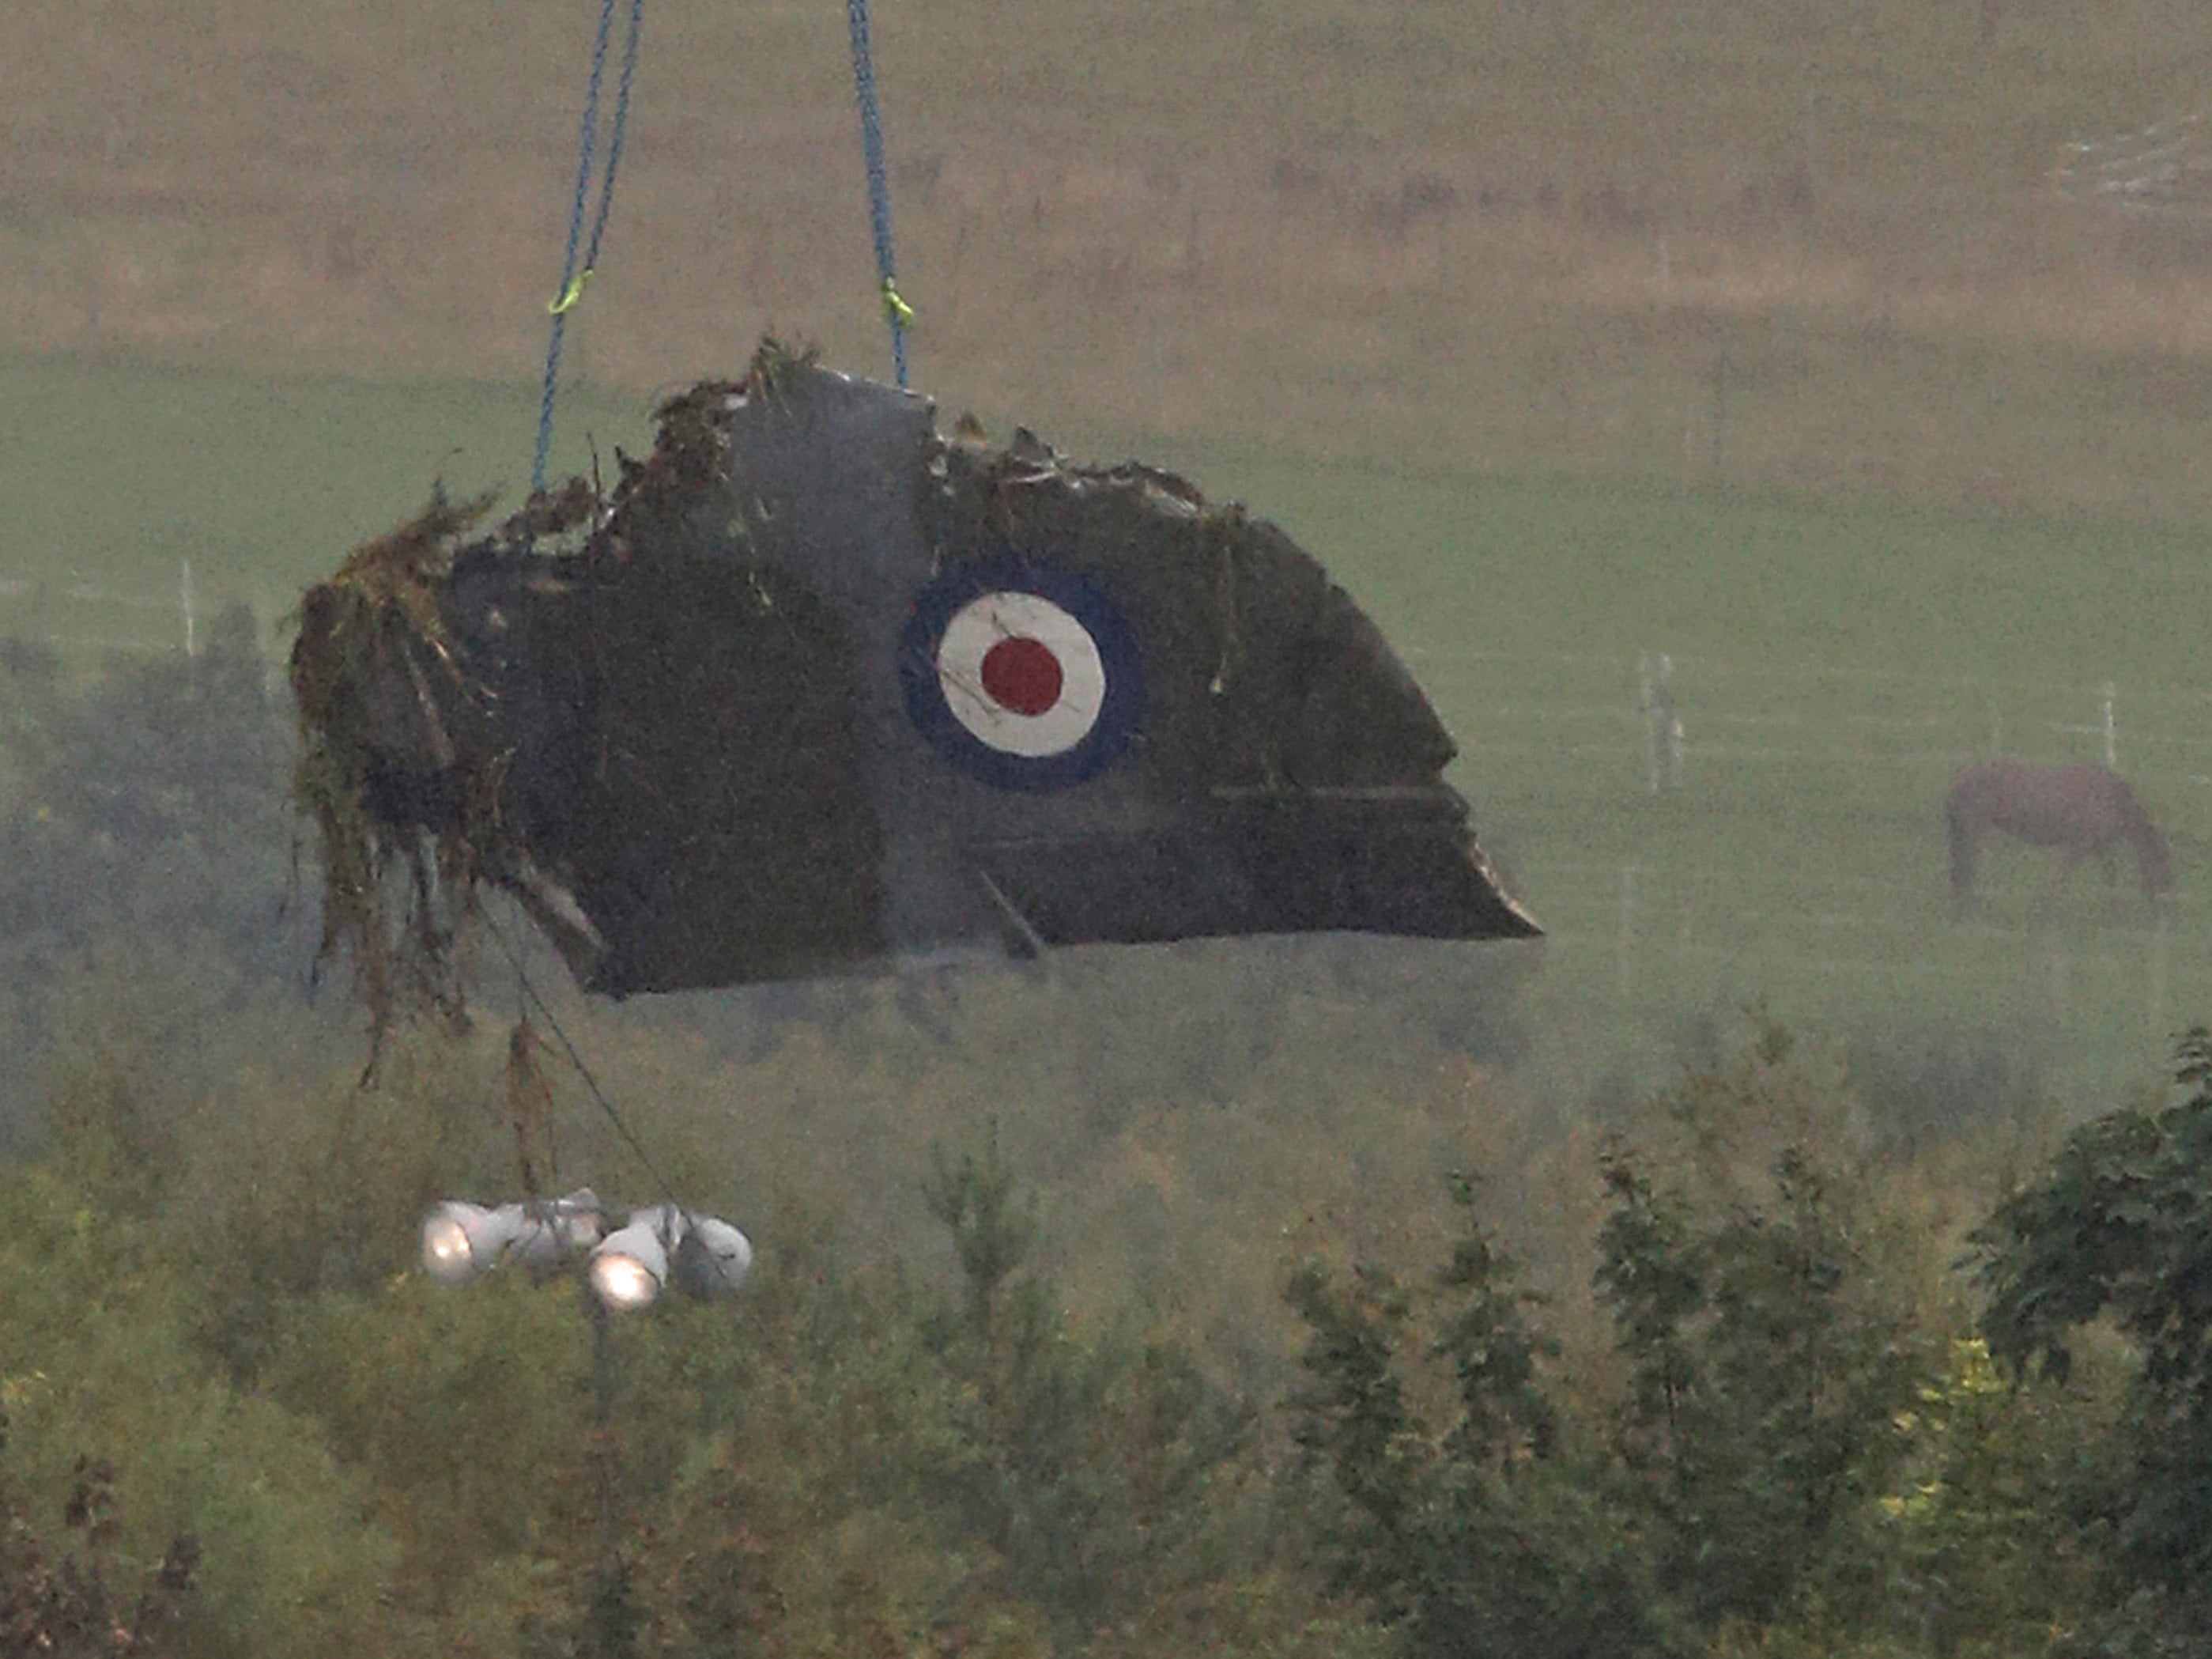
1832, 661
115, 473
1835, 662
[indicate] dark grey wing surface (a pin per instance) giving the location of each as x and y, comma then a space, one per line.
821, 690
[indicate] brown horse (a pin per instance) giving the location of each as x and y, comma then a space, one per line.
2083, 809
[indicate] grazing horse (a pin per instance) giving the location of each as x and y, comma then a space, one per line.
2082, 809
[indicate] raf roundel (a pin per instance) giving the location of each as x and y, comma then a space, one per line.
1024, 676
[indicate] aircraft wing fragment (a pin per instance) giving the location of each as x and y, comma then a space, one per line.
816, 688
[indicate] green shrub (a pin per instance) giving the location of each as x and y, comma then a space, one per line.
2120, 1230
1766, 1351
99, 1362
1984, 1556
1465, 1525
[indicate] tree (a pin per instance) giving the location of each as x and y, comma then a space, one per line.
1093, 1467
1765, 1364
2121, 1228
1473, 1537
68, 1609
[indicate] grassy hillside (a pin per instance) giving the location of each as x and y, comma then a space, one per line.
1820, 245
116, 471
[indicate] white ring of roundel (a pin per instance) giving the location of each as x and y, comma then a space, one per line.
983, 623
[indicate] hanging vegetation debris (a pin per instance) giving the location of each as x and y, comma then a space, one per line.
818, 687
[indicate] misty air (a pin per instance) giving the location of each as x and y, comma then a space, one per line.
930, 831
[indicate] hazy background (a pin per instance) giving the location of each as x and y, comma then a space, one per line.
1835, 371
1793, 343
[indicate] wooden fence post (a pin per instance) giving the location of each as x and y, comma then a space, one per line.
2157, 952
1625, 949
1644, 689
1655, 697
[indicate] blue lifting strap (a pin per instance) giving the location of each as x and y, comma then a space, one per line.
582, 257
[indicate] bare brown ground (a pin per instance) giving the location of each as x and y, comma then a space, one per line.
1499, 236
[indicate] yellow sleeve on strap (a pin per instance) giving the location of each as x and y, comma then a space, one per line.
898, 310
568, 297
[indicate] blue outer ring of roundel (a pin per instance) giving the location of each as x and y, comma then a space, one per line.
1119, 710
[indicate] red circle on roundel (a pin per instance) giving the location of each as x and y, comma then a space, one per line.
1022, 675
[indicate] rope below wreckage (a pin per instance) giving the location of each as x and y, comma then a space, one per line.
575, 273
